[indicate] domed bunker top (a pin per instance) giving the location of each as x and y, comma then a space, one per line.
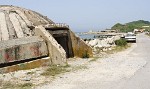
54, 40
16, 22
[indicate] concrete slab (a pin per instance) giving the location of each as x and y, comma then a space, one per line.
22, 49
16, 25
3, 27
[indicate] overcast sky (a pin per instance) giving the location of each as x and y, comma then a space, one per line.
84, 15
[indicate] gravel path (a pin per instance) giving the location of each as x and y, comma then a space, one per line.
112, 72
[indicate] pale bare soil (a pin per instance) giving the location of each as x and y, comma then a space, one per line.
104, 73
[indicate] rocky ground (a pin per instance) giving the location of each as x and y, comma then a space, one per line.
104, 44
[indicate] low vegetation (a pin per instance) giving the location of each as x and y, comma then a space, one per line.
55, 70
80, 67
120, 46
121, 42
85, 55
94, 59
51, 72
9, 85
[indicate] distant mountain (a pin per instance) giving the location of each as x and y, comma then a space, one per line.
140, 22
131, 26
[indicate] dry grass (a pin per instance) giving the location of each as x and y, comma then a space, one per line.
9, 85
115, 49
80, 67
94, 59
118, 49
55, 70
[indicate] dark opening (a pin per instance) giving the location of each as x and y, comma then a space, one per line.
63, 41
18, 62
62, 36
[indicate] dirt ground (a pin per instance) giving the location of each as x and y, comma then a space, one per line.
109, 72
103, 73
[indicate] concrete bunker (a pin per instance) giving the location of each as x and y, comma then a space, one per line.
62, 36
34, 36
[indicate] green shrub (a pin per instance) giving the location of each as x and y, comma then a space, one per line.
121, 42
85, 55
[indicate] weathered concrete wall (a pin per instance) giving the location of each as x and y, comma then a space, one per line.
25, 66
56, 53
22, 49
80, 48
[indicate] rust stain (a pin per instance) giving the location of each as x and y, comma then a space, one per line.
9, 55
35, 50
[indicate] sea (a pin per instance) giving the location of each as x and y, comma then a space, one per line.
87, 36
91, 36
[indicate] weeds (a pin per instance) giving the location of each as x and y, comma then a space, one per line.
94, 59
118, 49
121, 42
75, 68
30, 73
55, 70
26, 86
85, 55
9, 85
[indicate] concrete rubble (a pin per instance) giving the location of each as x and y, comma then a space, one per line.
103, 44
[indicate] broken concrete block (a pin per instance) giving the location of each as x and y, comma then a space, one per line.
56, 53
22, 48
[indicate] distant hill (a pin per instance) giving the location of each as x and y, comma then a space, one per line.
131, 26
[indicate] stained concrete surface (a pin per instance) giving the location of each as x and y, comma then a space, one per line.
22, 49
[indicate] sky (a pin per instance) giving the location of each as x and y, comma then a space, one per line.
85, 15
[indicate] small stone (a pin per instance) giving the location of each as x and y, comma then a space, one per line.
109, 49
28, 78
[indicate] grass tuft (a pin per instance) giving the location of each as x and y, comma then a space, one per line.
9, 85
94, 59
55, 70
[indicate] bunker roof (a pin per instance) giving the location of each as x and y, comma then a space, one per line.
16, 22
